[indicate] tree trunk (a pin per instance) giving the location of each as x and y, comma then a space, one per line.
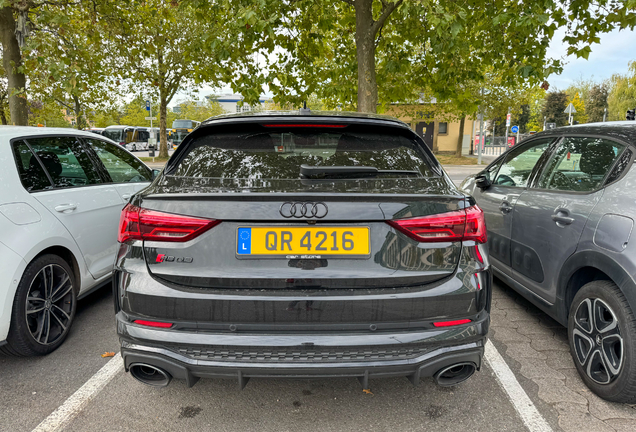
365, 52
163, 120
77, 108
3, 117
460, 139
12, 59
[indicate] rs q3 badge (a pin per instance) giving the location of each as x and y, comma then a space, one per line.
169, 258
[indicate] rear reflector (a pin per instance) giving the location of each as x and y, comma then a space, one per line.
305, 125
466, 224
451, 323
153, 324
142, 224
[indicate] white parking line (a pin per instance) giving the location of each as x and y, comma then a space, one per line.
74, 404
517, 395
528, 412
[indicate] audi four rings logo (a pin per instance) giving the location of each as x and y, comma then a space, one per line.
303, 209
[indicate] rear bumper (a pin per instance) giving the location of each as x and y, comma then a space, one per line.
181, 354
180, 367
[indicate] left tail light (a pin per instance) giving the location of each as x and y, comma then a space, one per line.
460, 225
142, 224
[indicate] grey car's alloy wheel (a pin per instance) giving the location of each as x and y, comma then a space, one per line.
43, 308
598, 344
602, 333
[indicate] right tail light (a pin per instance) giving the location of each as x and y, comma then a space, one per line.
459, 225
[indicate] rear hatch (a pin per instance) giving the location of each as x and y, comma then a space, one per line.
300, 207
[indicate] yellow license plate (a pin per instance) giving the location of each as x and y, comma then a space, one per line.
302, 242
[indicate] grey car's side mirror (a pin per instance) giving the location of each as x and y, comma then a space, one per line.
482, 182
155, 173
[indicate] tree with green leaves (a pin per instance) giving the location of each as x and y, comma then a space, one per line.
52, 46
199, 111
536, 102
106, 116
553, 110
406, 50
622, 94
46, 113
523, 118
163, 47
596, 105
579, 105
80, 78
134, 112
582, 87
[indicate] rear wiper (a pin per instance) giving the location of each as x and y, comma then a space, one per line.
321, 172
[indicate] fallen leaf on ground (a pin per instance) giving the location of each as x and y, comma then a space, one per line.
108, 354
367, 391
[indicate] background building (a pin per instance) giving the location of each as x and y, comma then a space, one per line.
231, 103
438, 129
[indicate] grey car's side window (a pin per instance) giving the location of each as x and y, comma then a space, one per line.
520, 163
121, 165
66, 160
580, 164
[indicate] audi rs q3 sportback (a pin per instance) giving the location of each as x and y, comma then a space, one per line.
61, 197
302, 245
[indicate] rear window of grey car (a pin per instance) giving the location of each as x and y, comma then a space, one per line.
279, 154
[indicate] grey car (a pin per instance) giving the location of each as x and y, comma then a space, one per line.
559, 214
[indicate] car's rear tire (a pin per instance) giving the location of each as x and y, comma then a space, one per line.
43, 308
602, 336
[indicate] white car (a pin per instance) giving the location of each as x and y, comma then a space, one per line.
61, 198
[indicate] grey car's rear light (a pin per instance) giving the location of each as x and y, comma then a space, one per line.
465, 224
142, 224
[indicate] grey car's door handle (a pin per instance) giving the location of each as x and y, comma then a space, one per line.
64, 208
126, 197
505, 207
562, 218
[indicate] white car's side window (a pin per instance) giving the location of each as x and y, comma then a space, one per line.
31, 173
65, 160
122, 167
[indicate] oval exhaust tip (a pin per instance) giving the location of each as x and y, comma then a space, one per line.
454, 374
150, 375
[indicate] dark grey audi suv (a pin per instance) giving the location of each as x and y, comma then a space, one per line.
302, 244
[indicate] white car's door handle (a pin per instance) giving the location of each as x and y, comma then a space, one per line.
126, 197
65, 208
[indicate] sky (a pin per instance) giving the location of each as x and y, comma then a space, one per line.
611, 56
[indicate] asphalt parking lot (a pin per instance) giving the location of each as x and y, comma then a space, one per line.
527, 383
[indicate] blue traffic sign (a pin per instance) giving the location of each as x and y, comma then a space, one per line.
147, 105
514, 129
